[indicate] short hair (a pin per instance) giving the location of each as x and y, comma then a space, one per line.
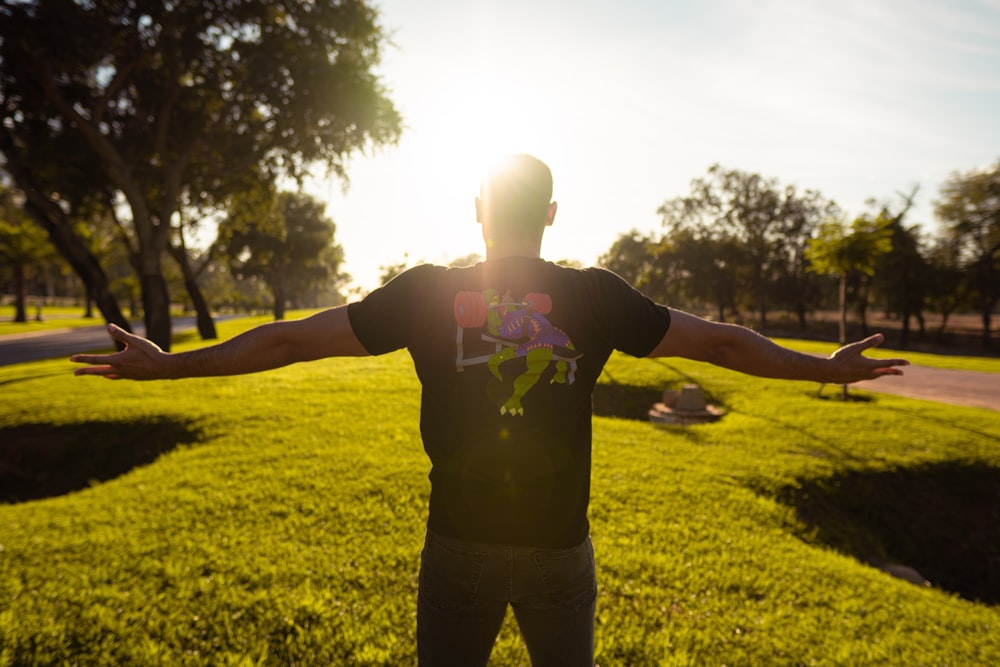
516, 192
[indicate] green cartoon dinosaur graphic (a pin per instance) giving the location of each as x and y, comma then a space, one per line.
519, 329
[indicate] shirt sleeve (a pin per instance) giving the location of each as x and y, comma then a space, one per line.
631, 322
383, 320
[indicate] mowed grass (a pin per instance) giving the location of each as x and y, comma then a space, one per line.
277, 519
52, 318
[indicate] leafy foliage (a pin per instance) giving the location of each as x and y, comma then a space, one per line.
286, 240
23, 245
850, 253
186, 102
767, 224
969, 207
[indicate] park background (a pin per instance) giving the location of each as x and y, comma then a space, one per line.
276, 519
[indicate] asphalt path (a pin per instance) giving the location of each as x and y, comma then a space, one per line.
976, 389
973, 388
54, 343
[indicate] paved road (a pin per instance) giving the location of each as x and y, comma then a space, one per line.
55, 343
980, 390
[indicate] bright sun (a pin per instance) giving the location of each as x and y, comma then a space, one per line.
424, 189
458, 131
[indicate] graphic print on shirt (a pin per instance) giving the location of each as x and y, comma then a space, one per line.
518, 330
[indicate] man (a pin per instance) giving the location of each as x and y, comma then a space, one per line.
508, 353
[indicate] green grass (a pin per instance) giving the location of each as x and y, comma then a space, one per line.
52, 318
276, 519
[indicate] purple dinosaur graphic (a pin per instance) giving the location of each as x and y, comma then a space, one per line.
520, 330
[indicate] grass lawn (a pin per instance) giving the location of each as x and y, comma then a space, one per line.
52, 318
276, 519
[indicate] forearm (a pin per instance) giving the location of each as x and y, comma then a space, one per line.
259, 349
746, 351
325, 334
741, 349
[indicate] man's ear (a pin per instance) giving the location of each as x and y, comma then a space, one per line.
479, 211
551, 215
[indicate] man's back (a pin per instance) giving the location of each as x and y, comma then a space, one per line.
508, 352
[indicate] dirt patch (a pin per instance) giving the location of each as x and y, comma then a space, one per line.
45, 460
942, 520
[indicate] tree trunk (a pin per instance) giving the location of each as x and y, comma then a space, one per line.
76, 252
278, 289
59, 227
156, 307
987, 317
20, 294
904, 336
987, 296
863, 306
206, 326
945, 314
842, 332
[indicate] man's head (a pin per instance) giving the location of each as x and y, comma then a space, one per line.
514, 203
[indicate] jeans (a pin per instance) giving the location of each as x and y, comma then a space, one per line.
465, 588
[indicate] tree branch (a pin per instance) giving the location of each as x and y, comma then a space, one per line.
105, 150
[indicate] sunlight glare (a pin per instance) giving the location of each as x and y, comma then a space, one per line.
472, 121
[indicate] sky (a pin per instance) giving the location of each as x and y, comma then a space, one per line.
629, 101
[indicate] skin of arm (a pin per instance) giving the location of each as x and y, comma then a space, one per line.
741, 349
272, 345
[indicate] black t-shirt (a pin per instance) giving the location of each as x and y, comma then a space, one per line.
508, 352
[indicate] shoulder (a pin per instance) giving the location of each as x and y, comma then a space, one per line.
603, 280
421, 272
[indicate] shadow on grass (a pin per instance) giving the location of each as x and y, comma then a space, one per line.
616, 399
624, 401
941, 519
45, 460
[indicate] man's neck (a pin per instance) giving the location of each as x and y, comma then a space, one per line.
504, 250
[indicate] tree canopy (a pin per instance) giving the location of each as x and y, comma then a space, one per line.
969, 208
187, 102
287, 241
739, 227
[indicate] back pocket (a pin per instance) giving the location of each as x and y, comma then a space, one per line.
568, 575
450, 576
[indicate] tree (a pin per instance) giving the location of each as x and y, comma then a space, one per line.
22, 245
61, 191
969, 208
286, 241
732, 206
470, 259
705, 268
849, 253
901, 274
947, 284
387, 272
631, 256
795, 286
175, 99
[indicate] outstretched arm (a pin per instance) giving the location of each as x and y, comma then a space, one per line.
271, 345
741, 349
